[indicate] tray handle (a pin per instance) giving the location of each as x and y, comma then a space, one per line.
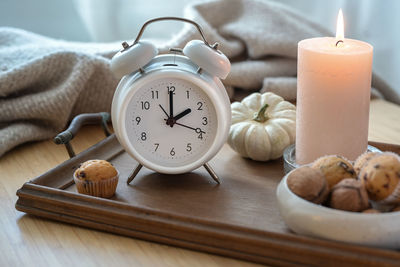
82, 119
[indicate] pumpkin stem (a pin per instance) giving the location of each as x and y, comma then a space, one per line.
261, 116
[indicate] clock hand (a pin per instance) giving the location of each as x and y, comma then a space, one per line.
163, 110
183, 113
171, 104
197, 130
170, 121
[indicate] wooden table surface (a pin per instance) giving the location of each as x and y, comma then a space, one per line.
26, 240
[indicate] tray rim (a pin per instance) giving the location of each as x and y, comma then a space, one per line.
188, 232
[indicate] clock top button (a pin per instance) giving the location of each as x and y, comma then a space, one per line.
132, 58
207, 58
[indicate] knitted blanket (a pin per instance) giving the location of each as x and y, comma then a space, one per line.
46, 82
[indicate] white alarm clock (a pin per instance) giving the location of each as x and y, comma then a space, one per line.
171, 112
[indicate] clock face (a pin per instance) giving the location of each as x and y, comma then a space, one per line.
171, 122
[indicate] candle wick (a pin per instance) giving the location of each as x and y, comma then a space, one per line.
338, 42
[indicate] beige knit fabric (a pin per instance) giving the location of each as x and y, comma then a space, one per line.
46, 82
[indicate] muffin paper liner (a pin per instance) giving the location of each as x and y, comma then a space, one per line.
103, 188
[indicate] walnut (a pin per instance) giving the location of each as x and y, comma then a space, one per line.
309, 184
349, 194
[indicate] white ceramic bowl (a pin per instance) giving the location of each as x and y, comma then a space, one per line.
306, 218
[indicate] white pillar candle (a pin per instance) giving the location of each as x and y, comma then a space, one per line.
333, 92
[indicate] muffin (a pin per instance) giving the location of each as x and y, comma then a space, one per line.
96, 178
349, 194
361, 160
309, 184
381, 176
335, 169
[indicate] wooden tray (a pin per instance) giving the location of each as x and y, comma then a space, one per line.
238, 218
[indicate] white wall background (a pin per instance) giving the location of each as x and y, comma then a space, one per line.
373, 21
55, 18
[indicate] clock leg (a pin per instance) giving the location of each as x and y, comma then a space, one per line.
134, 173
212, 173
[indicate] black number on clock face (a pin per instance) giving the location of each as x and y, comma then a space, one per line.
171, 89
157, 145
145, 105
154, 94
205, 122
189, 147
187, 94
138, 119
172, 152
199, 106
143, 136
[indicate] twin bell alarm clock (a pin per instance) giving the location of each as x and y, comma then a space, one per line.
171, 112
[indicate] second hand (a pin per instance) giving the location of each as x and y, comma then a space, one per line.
197, 130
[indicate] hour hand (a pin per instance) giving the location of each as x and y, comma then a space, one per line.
172, 120
183, 113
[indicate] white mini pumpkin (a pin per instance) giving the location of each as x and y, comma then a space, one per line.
263, 125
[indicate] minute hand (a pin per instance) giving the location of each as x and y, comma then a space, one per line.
171, 104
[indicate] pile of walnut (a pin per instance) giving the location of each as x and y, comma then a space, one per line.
334, 182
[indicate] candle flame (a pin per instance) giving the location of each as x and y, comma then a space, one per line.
340, 27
